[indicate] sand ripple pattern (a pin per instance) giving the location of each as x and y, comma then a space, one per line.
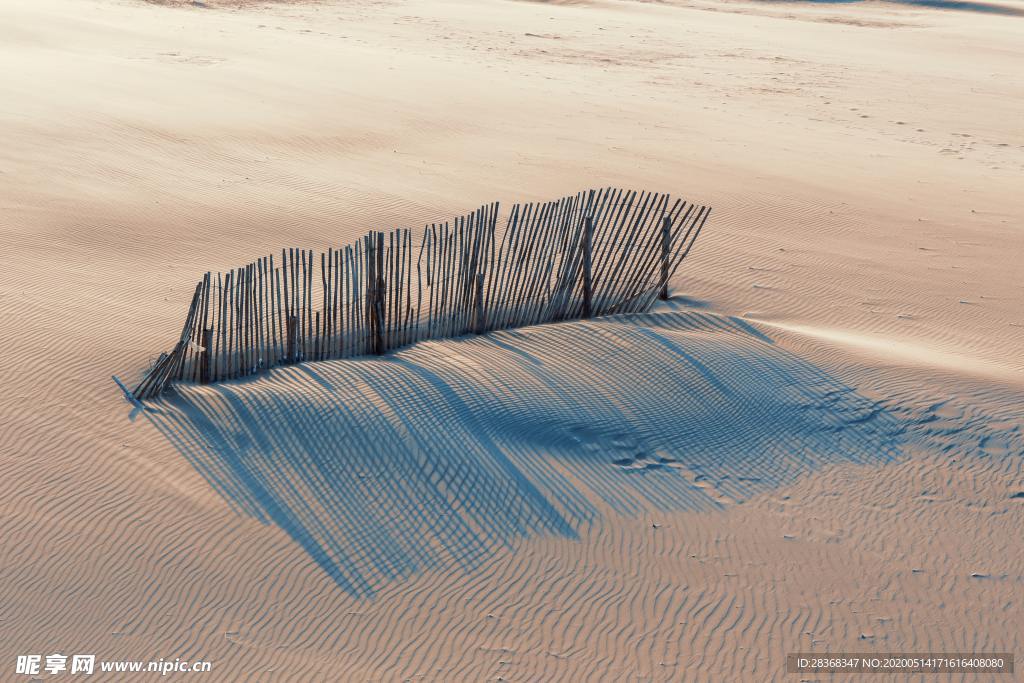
437, 455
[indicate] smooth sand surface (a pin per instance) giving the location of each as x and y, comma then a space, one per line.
816, 445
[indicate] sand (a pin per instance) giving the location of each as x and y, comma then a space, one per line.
816, 445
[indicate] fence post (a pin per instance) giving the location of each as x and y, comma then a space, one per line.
317, 339
378, 303
480, 324
588, 285
666, 248
293, 324
378, 317
204, 366
371, 288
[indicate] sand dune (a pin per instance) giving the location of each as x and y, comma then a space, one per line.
817, 444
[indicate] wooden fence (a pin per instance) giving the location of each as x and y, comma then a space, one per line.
596, 253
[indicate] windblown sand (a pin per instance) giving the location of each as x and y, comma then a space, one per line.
817, 445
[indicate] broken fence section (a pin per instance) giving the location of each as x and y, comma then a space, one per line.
596, 253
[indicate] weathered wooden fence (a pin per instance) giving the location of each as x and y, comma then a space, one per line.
596, 253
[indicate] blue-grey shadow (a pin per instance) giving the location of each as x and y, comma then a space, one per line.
964, 6
958, 5
434, 457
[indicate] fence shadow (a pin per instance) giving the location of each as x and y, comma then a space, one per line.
434, 456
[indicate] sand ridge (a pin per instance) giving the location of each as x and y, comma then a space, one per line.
864, 175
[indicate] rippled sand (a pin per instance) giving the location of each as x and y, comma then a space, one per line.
816, 445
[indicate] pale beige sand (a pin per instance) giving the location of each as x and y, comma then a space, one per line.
865, 165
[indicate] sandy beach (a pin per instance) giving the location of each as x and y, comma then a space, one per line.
815, 445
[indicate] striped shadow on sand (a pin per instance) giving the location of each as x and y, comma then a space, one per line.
434, 456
